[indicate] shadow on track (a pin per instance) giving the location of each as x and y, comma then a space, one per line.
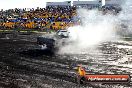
37, 52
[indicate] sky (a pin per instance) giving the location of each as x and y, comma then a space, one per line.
11, 4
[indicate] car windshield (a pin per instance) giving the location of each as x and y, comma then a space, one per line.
63, 33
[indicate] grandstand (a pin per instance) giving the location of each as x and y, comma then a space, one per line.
56, 15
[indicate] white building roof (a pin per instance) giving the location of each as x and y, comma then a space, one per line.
86, 2
113, 2
66, 3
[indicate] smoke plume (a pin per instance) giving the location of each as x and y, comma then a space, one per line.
96, 28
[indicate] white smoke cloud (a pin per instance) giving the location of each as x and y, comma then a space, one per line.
96, 28
125, 17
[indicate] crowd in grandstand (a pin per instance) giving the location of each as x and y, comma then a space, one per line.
37, 18
53, 17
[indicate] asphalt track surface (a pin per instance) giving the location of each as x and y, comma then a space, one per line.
22, 65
